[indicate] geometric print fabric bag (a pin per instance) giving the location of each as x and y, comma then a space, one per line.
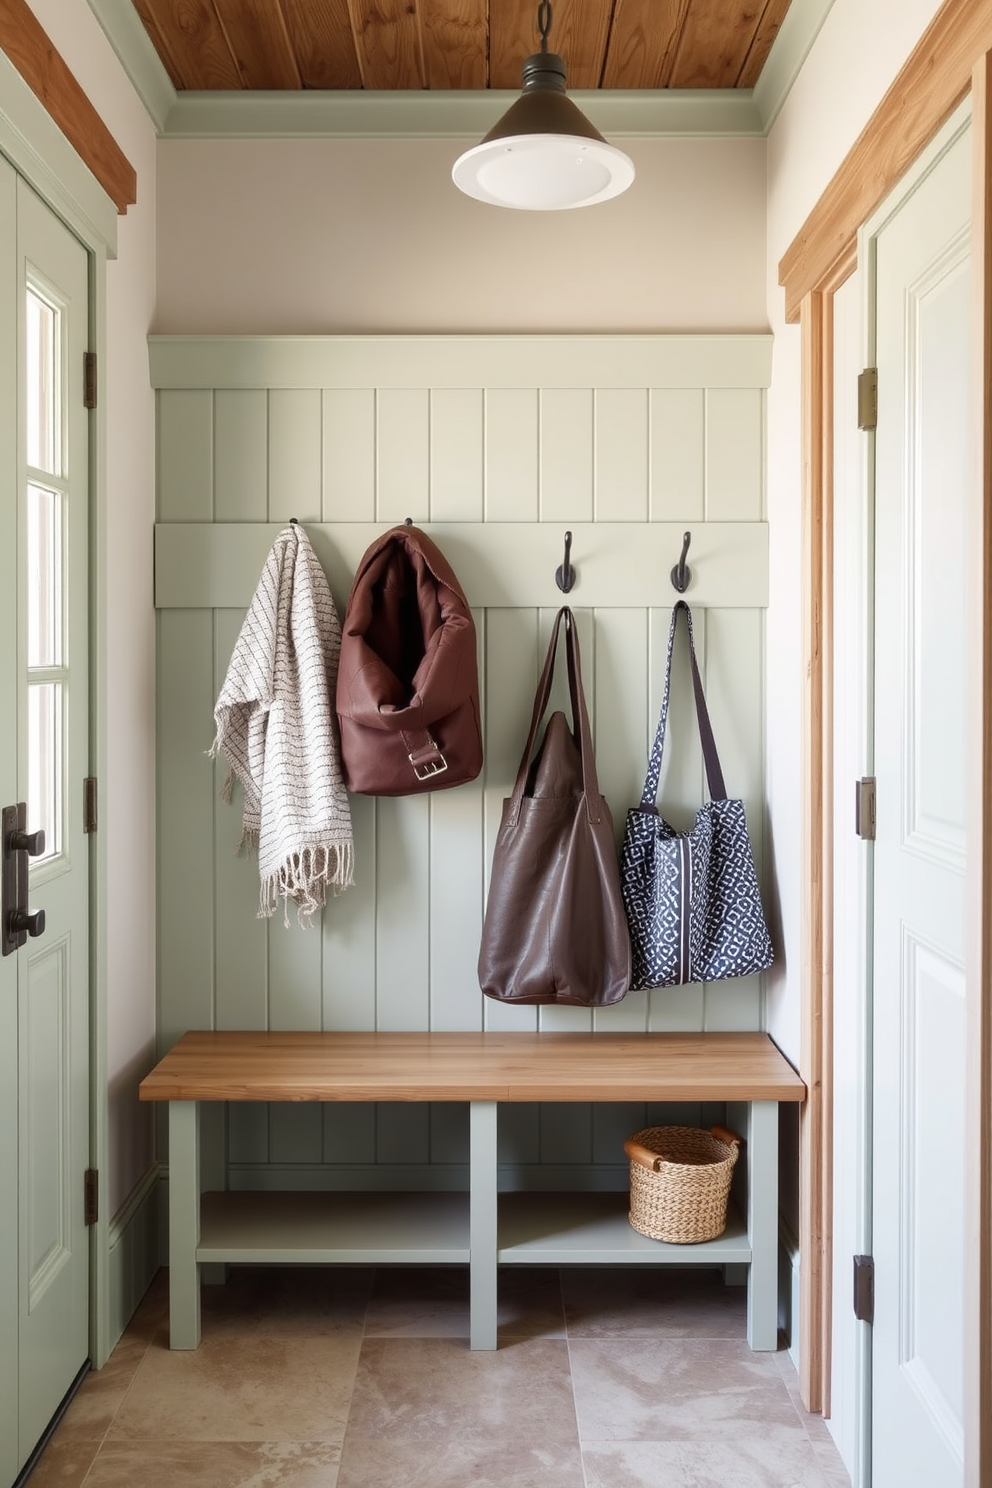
691, 898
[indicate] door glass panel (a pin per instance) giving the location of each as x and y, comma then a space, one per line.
45, 755
44, 577
43, 377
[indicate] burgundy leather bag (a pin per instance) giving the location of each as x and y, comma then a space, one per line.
555, 929
408, 683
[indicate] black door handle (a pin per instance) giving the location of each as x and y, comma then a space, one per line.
17, 921
33, 843
29, 921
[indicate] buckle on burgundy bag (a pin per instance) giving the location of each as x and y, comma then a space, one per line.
423, 766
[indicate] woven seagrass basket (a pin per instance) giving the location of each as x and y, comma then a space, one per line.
679, 1182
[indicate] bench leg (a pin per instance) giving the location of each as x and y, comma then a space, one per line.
184, 1225
482, 1225
762, 1225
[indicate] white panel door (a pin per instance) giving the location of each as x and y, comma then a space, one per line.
920, 1145
44, 740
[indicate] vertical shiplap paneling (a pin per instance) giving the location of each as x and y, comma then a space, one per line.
734, 455
510, 677
566, 1132
348, 455
734, 693
551, 1018
185, 455
185, 823
294, 454
402, 455
294, 970
241, 960
682, 784
349, 1131
403, 864
449, 1131
240, 455
619, 707
678, 467
403, 1132
349, 969
456, 453
511, 455
566, 443
457, 845
622, 454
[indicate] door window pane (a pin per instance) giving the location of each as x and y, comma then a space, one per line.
45, 764
43, 376
44, 577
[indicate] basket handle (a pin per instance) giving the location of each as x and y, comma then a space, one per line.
723, 1134
643, 1155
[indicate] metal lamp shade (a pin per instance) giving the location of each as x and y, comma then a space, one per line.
543, 155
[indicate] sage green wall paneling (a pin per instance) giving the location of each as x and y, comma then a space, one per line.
511, 455
619, 706
241, 953
566, 455
678, 455
240, 456
186, 850
295, 425
449, 1132
403, 1132
185, 456
621, 454
457, 455
403, 913
509, 680
348, 929
399, 949
349, 1131
734, 454
349, 456
402, 455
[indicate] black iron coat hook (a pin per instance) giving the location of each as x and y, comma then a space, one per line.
565, 575
682, 573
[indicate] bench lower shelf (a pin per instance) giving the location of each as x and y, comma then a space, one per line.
550, 1229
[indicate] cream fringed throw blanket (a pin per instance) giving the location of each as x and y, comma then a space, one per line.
278, 730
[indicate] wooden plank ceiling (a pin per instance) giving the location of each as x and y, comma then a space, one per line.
470, 44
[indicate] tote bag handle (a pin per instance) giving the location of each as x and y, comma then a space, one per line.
714, 774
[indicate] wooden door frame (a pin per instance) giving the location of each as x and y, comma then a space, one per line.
952, 58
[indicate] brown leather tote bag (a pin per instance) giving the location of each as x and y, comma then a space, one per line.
408, 682
555, 930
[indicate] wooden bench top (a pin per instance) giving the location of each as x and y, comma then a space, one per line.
211, 1066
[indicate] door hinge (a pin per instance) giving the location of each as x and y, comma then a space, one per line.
864, 1288
868, 398
91, 1196
89, 804
864, 807
89, 379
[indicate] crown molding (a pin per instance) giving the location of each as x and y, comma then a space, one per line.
424, 114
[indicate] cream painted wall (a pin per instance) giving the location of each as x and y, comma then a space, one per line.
865, 42
127, 794
363, 236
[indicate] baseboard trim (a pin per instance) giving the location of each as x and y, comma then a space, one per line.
134, 1243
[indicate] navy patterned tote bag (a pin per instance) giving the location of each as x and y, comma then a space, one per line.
691, 898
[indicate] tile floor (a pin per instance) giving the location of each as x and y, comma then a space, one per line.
330, 1378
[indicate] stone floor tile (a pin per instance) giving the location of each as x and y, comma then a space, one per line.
419, 1302
243, 1388
738, 1464
652, 1301
677, 1390
437, 1390
495, 1464
178, 1464
287, 1301
64, 1464
92, 1409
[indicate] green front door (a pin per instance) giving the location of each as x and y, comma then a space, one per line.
44, 744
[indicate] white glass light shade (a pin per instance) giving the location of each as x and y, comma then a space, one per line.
543, 172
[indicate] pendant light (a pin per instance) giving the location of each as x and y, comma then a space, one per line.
543, 155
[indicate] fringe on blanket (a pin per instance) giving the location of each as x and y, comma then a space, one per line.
304, 877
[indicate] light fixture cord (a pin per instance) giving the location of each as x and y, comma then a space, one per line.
544, 14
